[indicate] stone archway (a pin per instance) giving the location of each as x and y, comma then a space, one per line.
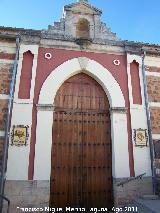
45, 109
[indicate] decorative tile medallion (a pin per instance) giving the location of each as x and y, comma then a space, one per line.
140, 137
19, 135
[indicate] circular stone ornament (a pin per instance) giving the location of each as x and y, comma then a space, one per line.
48, 56
116, 62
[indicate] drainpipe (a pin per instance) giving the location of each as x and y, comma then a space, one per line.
152, 153
7, 130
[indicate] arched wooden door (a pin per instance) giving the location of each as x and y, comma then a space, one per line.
81, 174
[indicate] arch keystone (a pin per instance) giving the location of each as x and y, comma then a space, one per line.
83, 62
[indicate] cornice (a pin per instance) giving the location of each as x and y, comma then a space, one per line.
38, 36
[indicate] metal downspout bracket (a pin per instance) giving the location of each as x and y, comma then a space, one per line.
6, 143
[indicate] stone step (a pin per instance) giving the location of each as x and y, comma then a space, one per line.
152, 204
150, 197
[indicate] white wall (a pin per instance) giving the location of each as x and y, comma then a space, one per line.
120, 156
42, 164
18, 157
142, 162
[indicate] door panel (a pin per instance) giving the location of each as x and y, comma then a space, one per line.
81, 174
96, 162
66, 161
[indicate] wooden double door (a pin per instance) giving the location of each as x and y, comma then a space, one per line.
81, 173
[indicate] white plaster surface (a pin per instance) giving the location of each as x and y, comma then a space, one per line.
4, 97
154, 104
152, 61
2, 133
18, 157
22, 115
156, 136
43, 147
138, 120
120, 156
131, 58
7, 47
142, 162
154, 74
6, 61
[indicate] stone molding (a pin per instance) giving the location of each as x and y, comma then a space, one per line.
45, 107
50, 107
122, 110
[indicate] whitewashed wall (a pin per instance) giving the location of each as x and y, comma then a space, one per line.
141, 156
18, 157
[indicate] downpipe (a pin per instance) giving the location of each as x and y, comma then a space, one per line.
152, 153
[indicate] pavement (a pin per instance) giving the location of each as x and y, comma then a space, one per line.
143, 206
153, 205
137, 206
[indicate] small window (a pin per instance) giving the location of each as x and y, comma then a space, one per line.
136, 87
82, 29
26, 76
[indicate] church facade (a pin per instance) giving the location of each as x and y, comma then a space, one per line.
79, 112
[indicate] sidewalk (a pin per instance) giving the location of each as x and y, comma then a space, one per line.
153, 205
145, 206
